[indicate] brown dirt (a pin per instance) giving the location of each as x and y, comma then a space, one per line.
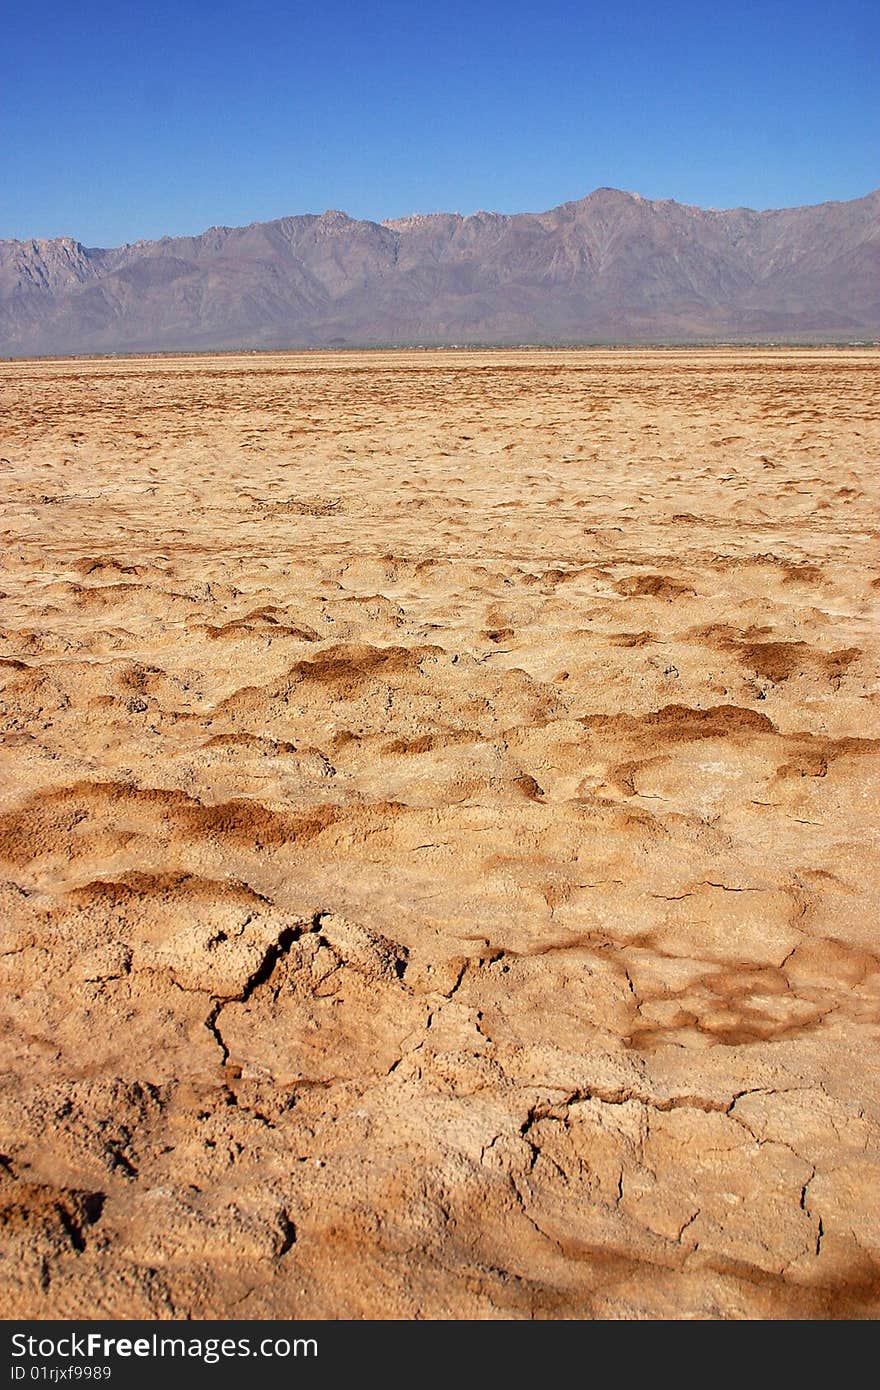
436, 836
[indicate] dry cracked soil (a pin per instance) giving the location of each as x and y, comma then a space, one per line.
437, 836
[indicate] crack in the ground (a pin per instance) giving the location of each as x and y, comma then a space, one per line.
820, 1229
728, 888
275, 952
521, 1203
625, 1094
690, 1221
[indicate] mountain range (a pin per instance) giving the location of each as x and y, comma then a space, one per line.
611, 268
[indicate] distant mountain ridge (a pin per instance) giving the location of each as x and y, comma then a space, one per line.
613, 267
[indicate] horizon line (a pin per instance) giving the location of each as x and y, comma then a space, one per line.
389, 222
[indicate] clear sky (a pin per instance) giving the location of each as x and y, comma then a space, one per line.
132, 119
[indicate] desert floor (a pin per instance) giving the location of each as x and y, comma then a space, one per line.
436, 827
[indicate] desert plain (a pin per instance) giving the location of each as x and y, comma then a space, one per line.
438, 836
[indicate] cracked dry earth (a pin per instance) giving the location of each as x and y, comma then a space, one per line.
436, 833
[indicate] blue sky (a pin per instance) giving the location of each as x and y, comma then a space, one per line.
128, 120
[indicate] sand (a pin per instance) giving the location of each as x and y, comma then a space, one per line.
437, 836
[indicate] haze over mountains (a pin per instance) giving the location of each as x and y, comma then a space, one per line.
613, 267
